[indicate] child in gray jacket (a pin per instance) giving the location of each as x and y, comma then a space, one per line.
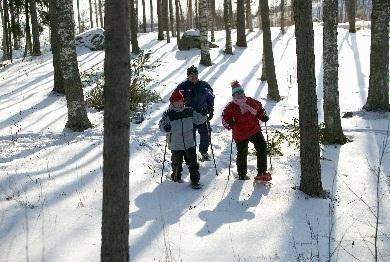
178, 121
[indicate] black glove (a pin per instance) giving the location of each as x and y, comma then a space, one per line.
210, 116
265, 118
167, 128
232, 122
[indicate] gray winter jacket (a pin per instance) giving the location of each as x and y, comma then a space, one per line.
182, 123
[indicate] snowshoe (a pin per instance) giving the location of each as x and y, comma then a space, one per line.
264, 177
204, 156
196, 185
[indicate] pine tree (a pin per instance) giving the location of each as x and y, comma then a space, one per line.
307, 100
333, 129
115, 208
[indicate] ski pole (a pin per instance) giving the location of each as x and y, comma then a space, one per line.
211, 145
163, 163
230, 160
266, 133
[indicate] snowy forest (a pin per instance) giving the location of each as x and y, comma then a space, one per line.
194, 130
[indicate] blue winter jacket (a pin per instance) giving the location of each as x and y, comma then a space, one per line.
199, 96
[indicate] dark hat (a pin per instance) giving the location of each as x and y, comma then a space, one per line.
176, 96
192, 70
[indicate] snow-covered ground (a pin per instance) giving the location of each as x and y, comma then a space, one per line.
51, 178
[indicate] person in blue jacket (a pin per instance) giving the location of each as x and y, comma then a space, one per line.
198, 94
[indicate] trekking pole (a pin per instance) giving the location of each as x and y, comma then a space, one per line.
211, 145
163, 163
230, 160
268, 150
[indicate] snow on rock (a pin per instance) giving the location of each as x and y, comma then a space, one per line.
92, 39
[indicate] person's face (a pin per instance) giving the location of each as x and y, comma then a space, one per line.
193, 78
178, 104
239, 95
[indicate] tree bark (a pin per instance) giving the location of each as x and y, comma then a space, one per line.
282, 16
273, 91
228, 19
204, 43
6, 29
58, 79
307, 100
101, 14
151, 16
36, 50
190, 22
143, 16
212, 16
178, 22
160, 20
351, 15
15, 25
28, 46
171, 18
133, 28
78, 16
90, 13
333, 130
165, 18
248, 15
378, 89
96, 14
77, 114
115, 212
241, 37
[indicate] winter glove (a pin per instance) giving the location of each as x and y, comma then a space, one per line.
210, 116
167, 128
265, 118
232, 122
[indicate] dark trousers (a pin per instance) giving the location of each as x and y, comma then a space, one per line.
204, 133
261, 153
191, 160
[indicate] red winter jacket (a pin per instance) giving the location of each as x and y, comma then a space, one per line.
246, 125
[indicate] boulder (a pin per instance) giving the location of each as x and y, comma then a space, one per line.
92, 39
191, 39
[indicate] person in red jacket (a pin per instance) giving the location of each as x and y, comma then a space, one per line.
242, 116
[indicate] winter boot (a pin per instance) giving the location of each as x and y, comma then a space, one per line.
265, 176
204, 156
176, 177
243, 177
196, 185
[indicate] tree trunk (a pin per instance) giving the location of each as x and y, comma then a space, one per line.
15, 25
165, 18
333, 129
143, 16
241, 37
96, 14
171, 18
90, 13
77, 114
160, 20
249, 16
151, 16
263, 68
36, 50
307, 100
115, 207
101, 14
212, 20
190, 22
78, 16
273, 91
227, 19
197, 25
28, 46
177, 23
351, 9
378, 89
204, 43
133, 28
282, 16
6, 29
58, 79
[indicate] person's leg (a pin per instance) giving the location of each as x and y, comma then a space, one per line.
204, 140
261, 151
242, 153
177, 160
193, 166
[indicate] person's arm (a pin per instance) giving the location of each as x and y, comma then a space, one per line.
165, 123
210, 104
197, 118
228, 120
261, 114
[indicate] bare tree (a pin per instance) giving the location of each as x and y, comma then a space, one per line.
212, 16
204, 43
28, 45
171, 18
333, 129
78, 16
90, 13
133, 28
307, 100
378, 89
351, 9
241, 37
160, 20
115, 208
6, 29
273, 91
227, 16
151, 16
36, 49
77, 114
177, 23
165, 18
190, 21
96, 14
282, 16
101, 14
143, 16
248, 15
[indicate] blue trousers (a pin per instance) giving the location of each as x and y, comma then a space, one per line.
204, 131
